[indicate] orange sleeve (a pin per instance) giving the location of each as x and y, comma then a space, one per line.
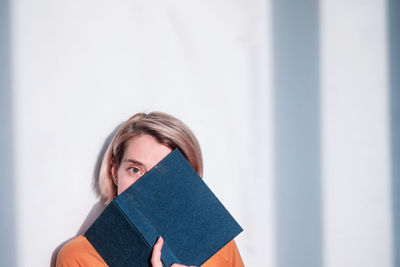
79, 252
228, 256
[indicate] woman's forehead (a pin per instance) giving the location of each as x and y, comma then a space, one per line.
146, 150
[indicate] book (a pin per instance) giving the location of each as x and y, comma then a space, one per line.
171, 201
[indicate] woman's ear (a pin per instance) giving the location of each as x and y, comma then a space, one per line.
114, 173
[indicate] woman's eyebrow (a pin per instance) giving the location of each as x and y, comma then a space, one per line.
136, 162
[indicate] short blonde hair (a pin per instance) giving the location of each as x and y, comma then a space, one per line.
165, 128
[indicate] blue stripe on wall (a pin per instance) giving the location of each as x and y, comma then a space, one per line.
7, 205
394, 78
297, 133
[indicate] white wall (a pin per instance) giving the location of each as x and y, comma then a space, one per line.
355, 134
79, 68
82, 67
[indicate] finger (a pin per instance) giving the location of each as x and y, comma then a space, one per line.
156, 255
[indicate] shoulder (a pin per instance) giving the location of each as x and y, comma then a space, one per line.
228, 256
79, 252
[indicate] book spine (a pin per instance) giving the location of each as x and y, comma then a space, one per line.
145, 229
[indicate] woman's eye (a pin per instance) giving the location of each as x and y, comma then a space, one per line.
134, 170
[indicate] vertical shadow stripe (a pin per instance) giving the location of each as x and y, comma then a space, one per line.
297, 133
7, 205
394, 83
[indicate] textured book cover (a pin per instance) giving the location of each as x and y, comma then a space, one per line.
171, 201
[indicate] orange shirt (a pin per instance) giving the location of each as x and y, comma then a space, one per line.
79, 252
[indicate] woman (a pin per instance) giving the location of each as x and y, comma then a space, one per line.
140, 143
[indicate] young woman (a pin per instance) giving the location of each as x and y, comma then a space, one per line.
141, 142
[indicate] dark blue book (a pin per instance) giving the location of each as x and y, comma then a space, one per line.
171, 201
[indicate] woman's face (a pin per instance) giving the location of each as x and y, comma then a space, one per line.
141, 154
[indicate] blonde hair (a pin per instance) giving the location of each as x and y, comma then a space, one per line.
165, 128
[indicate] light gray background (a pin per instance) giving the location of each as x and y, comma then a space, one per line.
293, 103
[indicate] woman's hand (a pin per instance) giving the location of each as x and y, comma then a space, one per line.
156, 255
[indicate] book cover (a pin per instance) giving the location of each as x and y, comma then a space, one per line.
171, 201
